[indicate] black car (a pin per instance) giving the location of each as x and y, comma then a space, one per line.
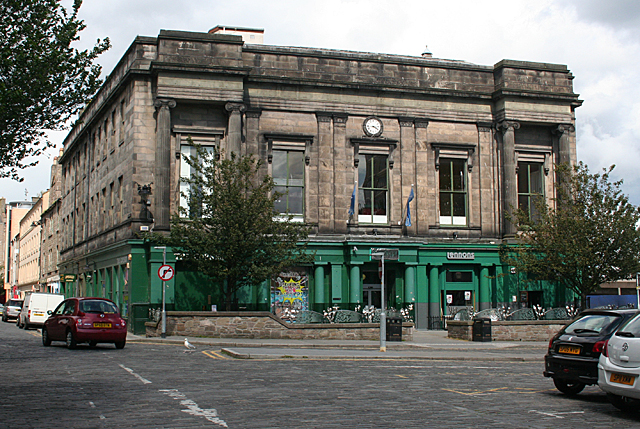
572, 359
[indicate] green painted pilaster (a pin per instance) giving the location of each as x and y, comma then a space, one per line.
434, 292
485, 289
355, 285
336, 284
318, 295
409, 284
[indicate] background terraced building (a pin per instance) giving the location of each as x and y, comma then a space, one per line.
467, 141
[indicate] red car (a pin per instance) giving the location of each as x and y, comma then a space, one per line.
85, 320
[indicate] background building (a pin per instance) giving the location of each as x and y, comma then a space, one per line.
432, 151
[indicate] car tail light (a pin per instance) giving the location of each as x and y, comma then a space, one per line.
605, 350
550, 343
29, 314
599, 347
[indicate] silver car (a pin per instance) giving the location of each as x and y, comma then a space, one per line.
619, 366
11, 309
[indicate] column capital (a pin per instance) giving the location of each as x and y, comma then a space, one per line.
505, 126
323, 117
235, 107
161, 103
254, 113
562, 128
406, 121
421, 123
340, 119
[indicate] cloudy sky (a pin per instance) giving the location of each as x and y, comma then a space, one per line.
599, 41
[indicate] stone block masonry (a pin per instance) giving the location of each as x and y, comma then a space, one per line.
263, 325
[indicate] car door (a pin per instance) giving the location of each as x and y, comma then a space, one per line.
59, 320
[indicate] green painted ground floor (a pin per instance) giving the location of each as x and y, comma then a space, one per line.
434, 279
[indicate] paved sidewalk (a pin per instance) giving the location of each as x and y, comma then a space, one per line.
430, 345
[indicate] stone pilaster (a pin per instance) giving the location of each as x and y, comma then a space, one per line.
234, 132
509, 179
408, 173
325, 174
563, 131
343, 187
162, 172
488, 172
424, 185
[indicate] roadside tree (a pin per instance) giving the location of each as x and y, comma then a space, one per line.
588, 237
228, 230
44, 82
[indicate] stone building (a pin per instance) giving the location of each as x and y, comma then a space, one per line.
14, 213
30, 246
430, 152
50, 241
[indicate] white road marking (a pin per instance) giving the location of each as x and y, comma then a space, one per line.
193, 408
558, 415
130, 371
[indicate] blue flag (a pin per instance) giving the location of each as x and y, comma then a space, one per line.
407, 221
352, 208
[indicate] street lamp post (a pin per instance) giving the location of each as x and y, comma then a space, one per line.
164, 313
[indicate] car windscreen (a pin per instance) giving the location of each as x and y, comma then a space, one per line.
631, 328
594, 325
15, 303
98, 306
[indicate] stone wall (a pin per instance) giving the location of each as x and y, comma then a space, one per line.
263, 325
521, 330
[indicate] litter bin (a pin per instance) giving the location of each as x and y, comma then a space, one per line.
482, 329
394, 328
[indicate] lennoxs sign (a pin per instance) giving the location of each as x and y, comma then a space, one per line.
465, 256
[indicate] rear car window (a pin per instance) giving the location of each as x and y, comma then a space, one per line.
15, 303
594, 324
96, 306
631, 328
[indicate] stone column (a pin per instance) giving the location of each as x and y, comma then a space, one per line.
325, 174
162, 173
509, 180
234, 131
487, 170
343, 187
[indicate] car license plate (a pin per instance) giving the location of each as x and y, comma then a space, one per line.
38, 314
622, 379
101, 325
572, 350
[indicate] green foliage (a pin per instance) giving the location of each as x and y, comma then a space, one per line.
44, 82
590, 237
230, 232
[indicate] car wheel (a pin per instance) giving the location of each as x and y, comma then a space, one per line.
92, 344
120, 344
46, 341
622, 402
568, 387
71, 341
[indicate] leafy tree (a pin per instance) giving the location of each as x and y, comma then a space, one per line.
590, 237
44, 82
230, 232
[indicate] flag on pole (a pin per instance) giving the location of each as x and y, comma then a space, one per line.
352, 208
407, 221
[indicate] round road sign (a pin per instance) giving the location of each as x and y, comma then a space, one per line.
165, 272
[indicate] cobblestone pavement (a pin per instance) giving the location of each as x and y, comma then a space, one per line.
153, 385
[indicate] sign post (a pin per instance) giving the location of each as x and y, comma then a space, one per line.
380, 254
638, 289
165, 273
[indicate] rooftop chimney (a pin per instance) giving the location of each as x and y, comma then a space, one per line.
426, 53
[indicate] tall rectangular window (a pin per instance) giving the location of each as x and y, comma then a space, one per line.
288, 176
186, 171
530, 186
453, 192
373, 188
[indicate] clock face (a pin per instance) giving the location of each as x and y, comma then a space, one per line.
372, 126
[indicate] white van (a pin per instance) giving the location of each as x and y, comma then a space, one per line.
35, 307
